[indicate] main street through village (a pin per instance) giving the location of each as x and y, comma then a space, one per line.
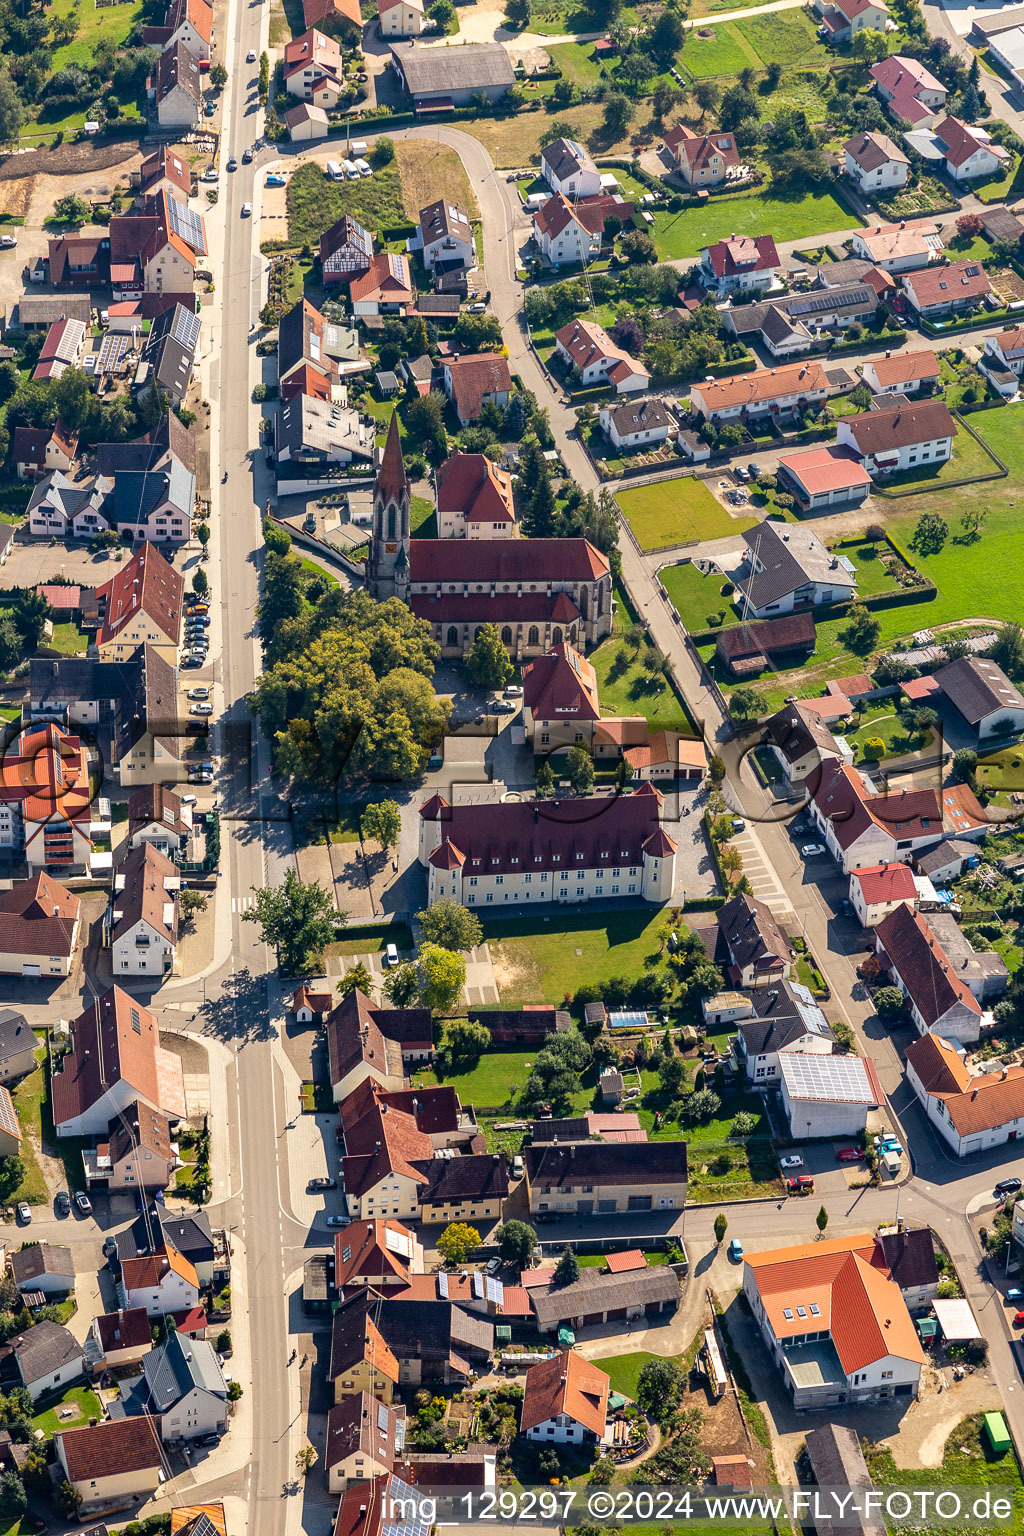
237, 1005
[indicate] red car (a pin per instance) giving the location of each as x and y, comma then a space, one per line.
803, 1185
1018, 1321
849, 1155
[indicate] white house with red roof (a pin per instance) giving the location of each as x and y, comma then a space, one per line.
114, 1060
38, 451
568, 233
561, 705
494, 855
878, 889
899, 437
189, 22
875, 163
46, 805
841, 20
39, 924
740, 263
473, 499
313, 69
901, 373
566, 1401
701, 159
946, 290
1002, 360
401, 18
470, 382
141, 605
862, 828
971, 1111
386, 288
969, 150
909, 90
594, 358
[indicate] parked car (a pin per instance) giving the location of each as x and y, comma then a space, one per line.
753, 470
803, 1184
1014, 1293
811, 850
82, 1203
513, 691
232, 164
735, 1250
315, 1184
192, 661
24, 1212
202, 619
210, 174
62, 1200
1007, 1187
740, 473
197, 776
476, 309
201, 709
338, 1221
492, 1266
791, 1160
8, 242
1018, 1321
738, 824
505, 706
198, 693
849, 1155
275, 180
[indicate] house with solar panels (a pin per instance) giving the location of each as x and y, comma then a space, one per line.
828, 1095
169, 355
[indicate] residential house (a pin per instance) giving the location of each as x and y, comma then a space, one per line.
341, 18
970, 151
176, 88
1002, 360
474, 499
824, 477
983, 696
162, 1282
37, 311
569, 232
588, 350
464, 1188
308, 346
909, 90
308, 1006
380, 1043
828, 1095
159, 816
184, 1389
834, 1322
642, 1296
769, 391
189, 1234
381, 1253
971, 1111
900, 438
947, 861
62, 349
565, 1401
640, 424
903, 247
150, 745
360, 1360
385, 1166
875, 163
48, 1358
141, 604
747, 649
306, 122
601, 1178
312, 436
18, 1042
949, 290
45, 1267
792, 322
165, 171
38, 451
117, 1339
386, 288
143, 920
879, 889
401, 18
909, 1257
902, 373
346, 251
841, 20
560, 698
112, 1463
139, 1154
115, 1058
185, 21
39, 929
445, 236
470, 382
701, 159
364, 1440
374, 1347
500, 853
771, 1021
749, 942
187, 1520
569, 169
862, 828
452, 76
740, 263
800, 745
940, 1001
169, 354
314, 70
47, 812
788, 568
59, 507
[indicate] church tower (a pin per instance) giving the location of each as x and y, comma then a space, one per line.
387, 570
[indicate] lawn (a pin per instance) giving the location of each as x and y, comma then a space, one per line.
372, 940
28, 1101
1006, 185
887, 727
968, 1459
724, 52
1002, 770
553, 17
113, 22
84, 1399
624, 1370
517, 143
678, 235
68, 639
789, 38
315, 203
429, 172
967, 459
497, 1077
577, 63
697, 599
632, 692
872, 575
540, 960
422, 524
676, 512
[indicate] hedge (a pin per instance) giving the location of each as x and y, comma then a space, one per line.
826, 612
871, 342
704, 903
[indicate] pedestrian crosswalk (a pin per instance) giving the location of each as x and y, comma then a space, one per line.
242, 903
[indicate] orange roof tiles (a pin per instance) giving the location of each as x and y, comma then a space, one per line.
566, 1384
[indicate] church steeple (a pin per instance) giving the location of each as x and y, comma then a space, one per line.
387, 572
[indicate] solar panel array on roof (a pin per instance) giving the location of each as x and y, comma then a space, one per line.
478, 1285
442, 1286
398, 1242
202, 1526
495, 1291
187, 225
382, 1417
185, 328
113, 348
816, 303
404, 1503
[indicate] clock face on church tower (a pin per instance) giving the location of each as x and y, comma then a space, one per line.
390, 548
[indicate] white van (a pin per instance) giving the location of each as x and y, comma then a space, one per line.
334, 171
391, 955
351, 170
363, 167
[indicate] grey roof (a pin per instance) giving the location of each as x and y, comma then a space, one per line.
910, 1257
751, 934
639, 415
853, 298
836, 274
837, 1461
306, 426
595, 1292
43, 1349
170, 349
968, 963
16, 1033
169, 439
179, 1365
794, 736
783, 1013
870, 150
47, 308
484, 1177
789, 557
436, 71
1000, 224
563, 156
56, 490
138, 494
37, 1259
977, 688
191, 1234
944, 853
777, 325
555, 1166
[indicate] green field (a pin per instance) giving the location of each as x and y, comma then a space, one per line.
632, 692
1002, 770
315, 203
967, 459
113, 22
787, 38
28, 1101
872, 575
624, 1370
678, 235
886, 726
577, 63
696, 598
497, 1077
539, 961
725, 52
677, 512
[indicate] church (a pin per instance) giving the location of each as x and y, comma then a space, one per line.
539, 592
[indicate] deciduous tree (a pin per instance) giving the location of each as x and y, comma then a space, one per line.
450, 924
457, 1242
296, 918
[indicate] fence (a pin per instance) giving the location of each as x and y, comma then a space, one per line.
894, 493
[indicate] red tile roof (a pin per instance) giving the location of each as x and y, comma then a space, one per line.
947, 285
107, 1450
471, 484
740, 253
841, 795
505, 561
621, 1263
961, 141
46, 772
38, 917
474, 378
827, 468
127, 1329
560, 686
370, 1253
116, 1039
905, 367
566, 1384
318, 12
148, 583
979, 1103
886, 882
913, 949
388, 280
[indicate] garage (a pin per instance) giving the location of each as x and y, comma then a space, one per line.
31, 971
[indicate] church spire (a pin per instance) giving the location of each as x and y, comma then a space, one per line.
391, 481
